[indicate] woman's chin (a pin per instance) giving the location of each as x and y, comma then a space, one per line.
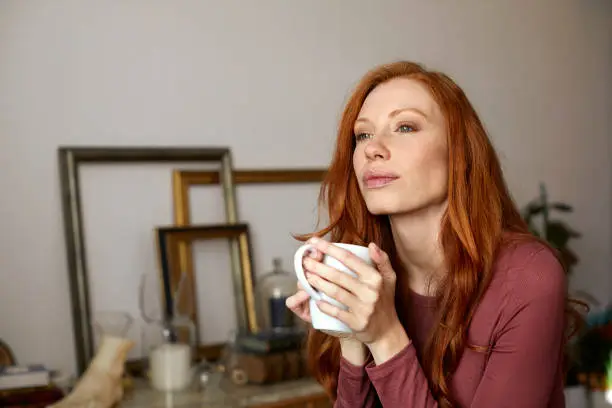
382, 208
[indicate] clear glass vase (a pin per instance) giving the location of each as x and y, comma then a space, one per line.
158, 328
111, 323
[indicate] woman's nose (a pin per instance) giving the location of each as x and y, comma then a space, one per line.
375, 150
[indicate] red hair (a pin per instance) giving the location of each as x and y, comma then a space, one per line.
480, 214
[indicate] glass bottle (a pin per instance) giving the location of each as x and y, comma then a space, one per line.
158, 328
111, 323
272, 290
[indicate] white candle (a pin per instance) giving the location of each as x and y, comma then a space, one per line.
170, 366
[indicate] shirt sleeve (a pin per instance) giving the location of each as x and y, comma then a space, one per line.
524, 364
355, 389
522, 367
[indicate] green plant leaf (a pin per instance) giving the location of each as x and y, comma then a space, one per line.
562, 207
534, 231
558, 234
533, 209
569, 257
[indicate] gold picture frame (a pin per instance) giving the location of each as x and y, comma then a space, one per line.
183, 180
70, 161
169, 241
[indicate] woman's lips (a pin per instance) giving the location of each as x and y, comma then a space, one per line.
376, 182
378, 178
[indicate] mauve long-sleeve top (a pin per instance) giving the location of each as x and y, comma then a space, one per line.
520, 318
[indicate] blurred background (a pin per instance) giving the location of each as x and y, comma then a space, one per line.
268, 79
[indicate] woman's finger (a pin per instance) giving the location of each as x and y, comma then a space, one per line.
347, 258
315, 254
334, 291
299, 305
344, 280
344, 316
297, 299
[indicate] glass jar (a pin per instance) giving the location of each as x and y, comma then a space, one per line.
111, 323
271, 292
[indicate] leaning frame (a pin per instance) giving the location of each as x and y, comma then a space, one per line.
70, 158
183, 180
169, 241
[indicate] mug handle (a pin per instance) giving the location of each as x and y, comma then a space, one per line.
299, 271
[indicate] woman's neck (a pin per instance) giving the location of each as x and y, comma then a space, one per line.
416, 239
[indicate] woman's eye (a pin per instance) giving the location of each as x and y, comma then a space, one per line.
406, 128
362, 136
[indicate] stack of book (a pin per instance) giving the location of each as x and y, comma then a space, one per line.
270, 356
27, 386
270, 341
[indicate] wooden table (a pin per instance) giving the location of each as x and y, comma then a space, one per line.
303, 393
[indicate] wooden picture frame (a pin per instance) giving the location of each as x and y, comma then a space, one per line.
183, 180
170, 239
71, 158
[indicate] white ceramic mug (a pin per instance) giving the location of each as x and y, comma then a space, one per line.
320, 320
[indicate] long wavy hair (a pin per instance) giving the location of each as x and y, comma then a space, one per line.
480, 216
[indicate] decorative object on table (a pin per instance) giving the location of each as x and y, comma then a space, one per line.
169, 239
6, 354
171, 341
161, 329
26, 376
154, 329
112, 323
272, 367
270, 341
101, 385
211, 374
184, 180
269, 356
556, 232
171, 367
71, 159
272, 290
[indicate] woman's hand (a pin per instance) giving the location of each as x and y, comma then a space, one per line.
352, 349
299, 303
370, 297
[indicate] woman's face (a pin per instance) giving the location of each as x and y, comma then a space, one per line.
401, 157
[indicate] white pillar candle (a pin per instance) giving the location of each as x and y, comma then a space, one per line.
170, 366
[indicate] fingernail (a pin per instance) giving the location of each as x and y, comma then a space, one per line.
314, 240
376, 248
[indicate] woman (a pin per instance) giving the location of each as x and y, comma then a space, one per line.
464, 307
